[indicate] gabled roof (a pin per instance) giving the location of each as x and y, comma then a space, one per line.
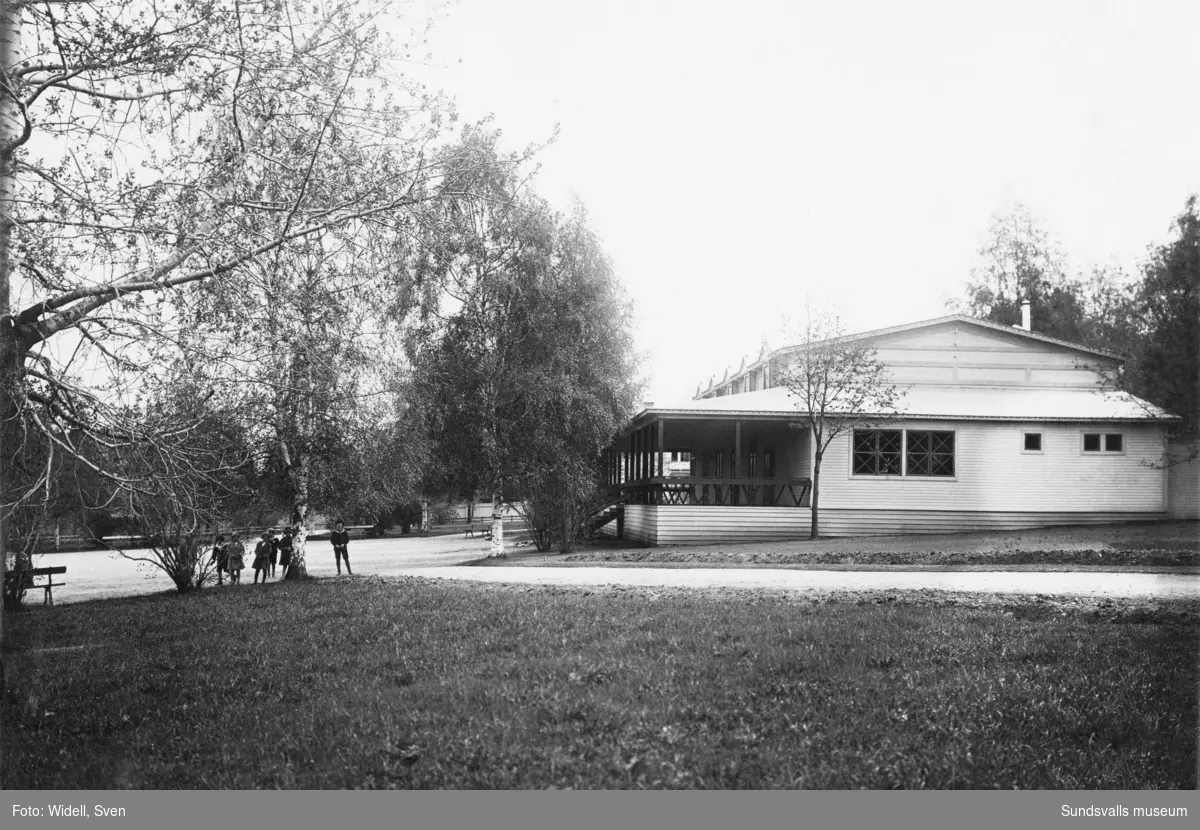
960, 403
964, 318
951, 318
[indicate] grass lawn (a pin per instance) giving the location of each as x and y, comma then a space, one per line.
413, 683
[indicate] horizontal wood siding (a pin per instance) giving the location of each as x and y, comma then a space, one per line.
701, 524
641, 522
993, 473
956, 353
1183, 483
887, 522
698, 525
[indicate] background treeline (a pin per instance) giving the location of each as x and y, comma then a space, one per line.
1152, 318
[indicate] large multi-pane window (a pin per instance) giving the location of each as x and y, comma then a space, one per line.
894, 452
878, 452
930, 453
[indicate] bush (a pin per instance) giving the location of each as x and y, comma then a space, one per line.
181, 557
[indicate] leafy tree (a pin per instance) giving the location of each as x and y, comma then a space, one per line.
838, 385
1020, 262
527, 375
1167, 356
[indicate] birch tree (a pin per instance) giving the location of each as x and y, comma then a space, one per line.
527, 370
148, 149
838, 384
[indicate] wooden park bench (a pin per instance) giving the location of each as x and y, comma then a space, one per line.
28, 581
485, 531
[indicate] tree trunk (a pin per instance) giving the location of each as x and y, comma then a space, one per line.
298, 476
816, 492
497, 527
11, 356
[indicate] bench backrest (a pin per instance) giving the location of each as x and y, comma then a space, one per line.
57, 569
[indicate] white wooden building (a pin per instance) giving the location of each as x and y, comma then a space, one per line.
999, 428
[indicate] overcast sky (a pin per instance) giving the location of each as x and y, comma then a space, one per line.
738, 157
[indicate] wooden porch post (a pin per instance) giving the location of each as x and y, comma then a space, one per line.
647, 450
661, 470
637, 456
640, 456
737, 460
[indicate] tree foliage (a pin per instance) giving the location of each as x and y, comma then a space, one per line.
527, 373
156, 163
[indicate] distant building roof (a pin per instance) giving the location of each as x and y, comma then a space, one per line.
952, 318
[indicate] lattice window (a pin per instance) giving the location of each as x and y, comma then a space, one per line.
930, 453
877, 452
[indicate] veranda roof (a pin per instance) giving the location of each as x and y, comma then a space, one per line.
971, 403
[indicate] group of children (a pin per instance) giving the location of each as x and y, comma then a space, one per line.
269, 553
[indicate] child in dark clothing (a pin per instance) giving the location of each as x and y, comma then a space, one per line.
285, 550
220, 555
262, 557
341, 541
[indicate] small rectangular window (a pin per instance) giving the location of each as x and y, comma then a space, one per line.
751, 461
1091, 442
1113, 442
720, 465
1033, 442
769, 464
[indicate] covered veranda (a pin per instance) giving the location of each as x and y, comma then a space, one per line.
756, 464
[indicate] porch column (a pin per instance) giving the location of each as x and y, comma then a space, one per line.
737, 460
737, 449
638, 460
661, 465
645, 452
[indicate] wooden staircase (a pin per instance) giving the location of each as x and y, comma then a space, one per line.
605, 515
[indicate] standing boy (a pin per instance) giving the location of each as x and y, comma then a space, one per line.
285, 549
341, 541
262, 557
220, 555
236, 553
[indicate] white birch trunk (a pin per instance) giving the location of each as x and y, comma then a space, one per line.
497, 527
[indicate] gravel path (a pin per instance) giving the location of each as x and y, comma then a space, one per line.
98, 574
1082, 584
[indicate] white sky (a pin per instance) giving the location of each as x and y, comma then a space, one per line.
736, 157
